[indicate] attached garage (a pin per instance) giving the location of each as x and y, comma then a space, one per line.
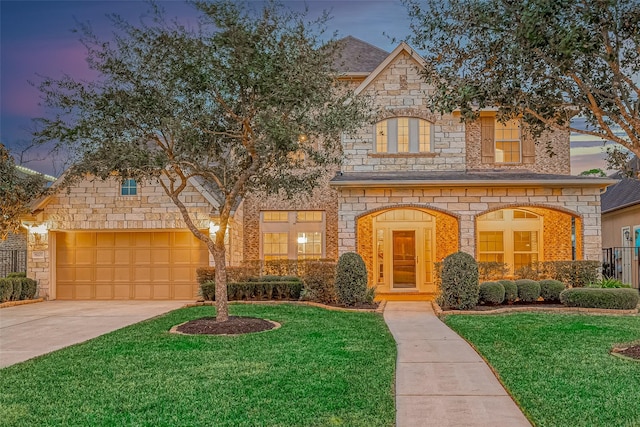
142, 265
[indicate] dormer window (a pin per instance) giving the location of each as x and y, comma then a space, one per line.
403, 135
129, 187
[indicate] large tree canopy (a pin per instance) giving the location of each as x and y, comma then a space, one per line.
227, 103
543, 60
17, 190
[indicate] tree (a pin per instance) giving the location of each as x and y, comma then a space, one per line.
593, 172
17, 190
545, 61
227, 103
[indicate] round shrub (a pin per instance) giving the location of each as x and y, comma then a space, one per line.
528, 290
320, 282
29, 287
510, 291
351, 279
550, 290
613, 298
491, 293
459, 282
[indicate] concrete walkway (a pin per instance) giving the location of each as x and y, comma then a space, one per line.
31, 330
440, 380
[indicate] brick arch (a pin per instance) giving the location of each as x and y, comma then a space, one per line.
406, 112
556, 229
447, 232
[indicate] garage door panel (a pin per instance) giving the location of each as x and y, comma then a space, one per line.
128, 265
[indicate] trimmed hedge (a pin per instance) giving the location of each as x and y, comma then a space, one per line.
351, 279
258, 291
491, 293
614, 298
550, 290
528, 290
459, 282
17, 288
319, 282
510, 291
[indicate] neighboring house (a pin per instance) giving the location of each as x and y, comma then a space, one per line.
13, 249
621, 227
415, 186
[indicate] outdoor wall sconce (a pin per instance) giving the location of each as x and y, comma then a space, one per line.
627, 235
213, 227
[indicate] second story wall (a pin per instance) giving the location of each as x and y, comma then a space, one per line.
404, 134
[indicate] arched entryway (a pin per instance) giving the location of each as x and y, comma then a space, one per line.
400, 246
522, 236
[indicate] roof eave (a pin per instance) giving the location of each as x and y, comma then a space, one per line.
599, 183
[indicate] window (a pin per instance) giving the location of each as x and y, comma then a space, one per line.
292, 235
129, 188
510, 236
507, 138
403, 135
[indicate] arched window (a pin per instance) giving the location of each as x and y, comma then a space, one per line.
511, 236
403, 135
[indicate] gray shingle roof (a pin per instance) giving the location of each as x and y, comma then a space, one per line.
624, 193
357, 56
416, 177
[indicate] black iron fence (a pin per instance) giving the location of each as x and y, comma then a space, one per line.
12, 261
622, 263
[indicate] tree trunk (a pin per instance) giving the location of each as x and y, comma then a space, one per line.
219, 259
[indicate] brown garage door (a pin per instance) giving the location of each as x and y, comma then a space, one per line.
128, 265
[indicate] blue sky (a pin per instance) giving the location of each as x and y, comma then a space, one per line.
36, 38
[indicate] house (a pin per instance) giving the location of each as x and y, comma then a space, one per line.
415, 186
13, 250
621, 226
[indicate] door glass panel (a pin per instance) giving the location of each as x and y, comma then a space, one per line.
404, 258
380, 252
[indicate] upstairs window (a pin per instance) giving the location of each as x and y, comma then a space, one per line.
129, 188
403, 135
503, 143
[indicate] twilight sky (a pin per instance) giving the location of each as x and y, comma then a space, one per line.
36, 38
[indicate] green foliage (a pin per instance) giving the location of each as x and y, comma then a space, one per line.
351, 279
17, 190
608, 282
224, 102
594, 172
459, 288
557, 366
491, 293
206, 274
623, 299
550, 290
491, 270
575, 273
541, 60
29, 288
336, 369
320, 282
6, 289
17, 289
17, 274
510, 291
285, 289
528, 290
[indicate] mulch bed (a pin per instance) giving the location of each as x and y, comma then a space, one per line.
540, 304
234, 326
633, 351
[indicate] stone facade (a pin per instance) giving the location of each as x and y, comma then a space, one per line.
559, 163
97, 205
469, 203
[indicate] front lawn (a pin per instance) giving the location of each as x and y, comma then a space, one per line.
320, 368
558, 367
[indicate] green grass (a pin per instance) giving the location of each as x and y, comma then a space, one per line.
558, 367
320, 368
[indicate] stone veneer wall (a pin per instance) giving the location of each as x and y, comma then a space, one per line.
323, 198
98, 205
400, 91
558, 164
469, 203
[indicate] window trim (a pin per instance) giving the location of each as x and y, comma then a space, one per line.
292, 227
496, 140
391, 142
129, 187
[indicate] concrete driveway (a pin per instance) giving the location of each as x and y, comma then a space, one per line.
31, 330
